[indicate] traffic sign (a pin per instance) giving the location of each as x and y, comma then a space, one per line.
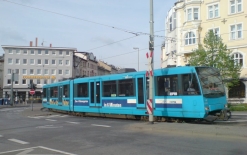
32, 92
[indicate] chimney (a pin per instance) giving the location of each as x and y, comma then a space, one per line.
36, 43
50, 45
31, 43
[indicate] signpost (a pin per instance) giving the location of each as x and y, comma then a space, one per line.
32, 92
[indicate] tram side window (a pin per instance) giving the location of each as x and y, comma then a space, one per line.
81, 90
66, 91
167, 85
44, 92
190, 84
126, 87
53, 92
110, 88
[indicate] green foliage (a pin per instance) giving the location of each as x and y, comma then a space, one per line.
214, 53
238, 107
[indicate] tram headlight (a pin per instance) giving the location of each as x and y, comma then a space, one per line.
206, 108
225, 105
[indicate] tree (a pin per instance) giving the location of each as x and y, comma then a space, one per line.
214, 53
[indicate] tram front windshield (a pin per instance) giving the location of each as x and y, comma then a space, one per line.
211, 82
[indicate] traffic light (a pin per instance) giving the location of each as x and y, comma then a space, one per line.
34, 86
30, 85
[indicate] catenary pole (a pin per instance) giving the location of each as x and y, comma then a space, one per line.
151, 48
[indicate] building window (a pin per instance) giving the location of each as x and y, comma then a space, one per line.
9, 71
60, 62
238, 58
17, 51
24, 81
235, 6
53, 71
45, 81
16, 82
16, 71
10, 61
174, 20
24, 71
192, 14
53, 62
24, 61
39, 52
8, 81
31, 71
236, 31
60, 52
67, 52
53, 52
39, 71
32, 52
17, 61
46, 71
66, 72
38, 81
52, 80
10, 51
31, 61
170, 23
216, 31
60, 72
39, 61
46, 61
213, 11
46, 52
190, 38
67, 62
24, 51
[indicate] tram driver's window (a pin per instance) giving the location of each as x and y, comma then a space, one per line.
190, 84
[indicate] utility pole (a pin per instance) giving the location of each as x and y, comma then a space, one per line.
151, 48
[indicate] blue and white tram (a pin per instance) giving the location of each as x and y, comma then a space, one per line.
127, 94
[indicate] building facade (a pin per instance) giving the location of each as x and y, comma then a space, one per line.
189, 20
35, 64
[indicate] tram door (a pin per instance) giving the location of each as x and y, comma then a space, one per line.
141, 92
60, 95
95, 93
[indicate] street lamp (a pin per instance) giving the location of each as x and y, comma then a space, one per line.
136, 48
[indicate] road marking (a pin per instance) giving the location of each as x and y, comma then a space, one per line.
106, 126
36, 117
48, 126
56, 150
18, 141
51, 120
27, 150
73, 122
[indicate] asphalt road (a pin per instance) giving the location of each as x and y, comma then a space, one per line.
25, 131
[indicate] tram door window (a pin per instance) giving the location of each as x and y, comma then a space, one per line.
60, 93
44, 95
53, 92
81, 90
140, 91
110, 88
92, 92
66, 91
126, 87
98, 92
167, 85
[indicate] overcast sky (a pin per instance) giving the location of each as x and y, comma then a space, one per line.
107, 28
